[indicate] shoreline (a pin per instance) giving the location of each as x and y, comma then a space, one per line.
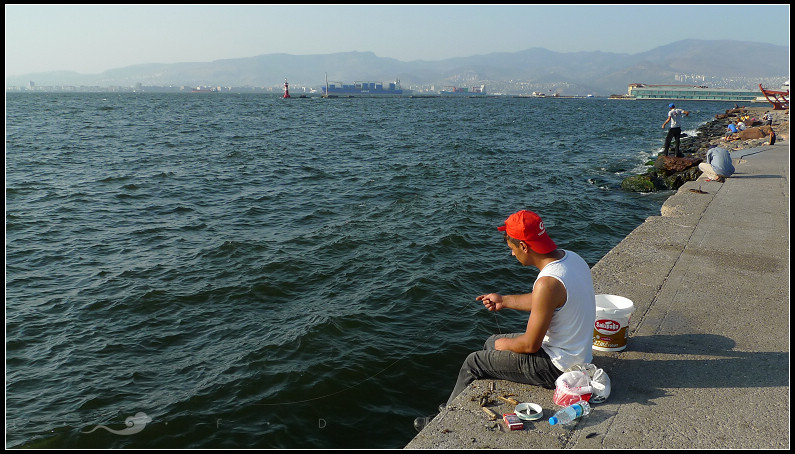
670, 173
695, 274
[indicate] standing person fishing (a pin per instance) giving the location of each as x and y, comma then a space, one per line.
675, 118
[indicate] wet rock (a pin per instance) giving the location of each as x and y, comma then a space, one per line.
671, 164
668, 172
639, 183
677, 179
754, 133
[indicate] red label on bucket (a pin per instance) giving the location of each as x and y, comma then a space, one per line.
607, 326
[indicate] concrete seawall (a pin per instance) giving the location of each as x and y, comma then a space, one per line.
707, 361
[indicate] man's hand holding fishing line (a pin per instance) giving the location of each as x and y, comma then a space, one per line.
496, 302
492, 301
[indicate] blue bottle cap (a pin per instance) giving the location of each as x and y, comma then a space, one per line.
553, 420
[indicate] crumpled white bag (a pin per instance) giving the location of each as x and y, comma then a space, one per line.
599, 381
572, 386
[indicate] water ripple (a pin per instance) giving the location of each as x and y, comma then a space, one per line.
244, 269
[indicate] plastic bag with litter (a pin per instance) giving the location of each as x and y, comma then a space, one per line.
599, 381
572, 386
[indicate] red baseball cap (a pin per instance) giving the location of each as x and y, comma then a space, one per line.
527, 226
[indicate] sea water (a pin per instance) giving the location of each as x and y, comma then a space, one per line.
227, 270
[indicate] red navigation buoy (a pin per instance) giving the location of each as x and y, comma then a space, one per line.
286, 90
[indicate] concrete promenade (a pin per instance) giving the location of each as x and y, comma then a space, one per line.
707, 362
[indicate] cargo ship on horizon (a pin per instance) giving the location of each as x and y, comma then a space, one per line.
204, 90
363, 89
459, 91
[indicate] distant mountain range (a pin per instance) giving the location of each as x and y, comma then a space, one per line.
599, 73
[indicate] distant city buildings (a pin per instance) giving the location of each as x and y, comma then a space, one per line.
495, 87
688, 78
140, 88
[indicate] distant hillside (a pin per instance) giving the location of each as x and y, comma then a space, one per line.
593, 72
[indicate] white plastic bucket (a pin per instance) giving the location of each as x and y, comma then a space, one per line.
612, 320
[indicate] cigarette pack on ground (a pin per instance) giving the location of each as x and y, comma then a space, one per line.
512, 421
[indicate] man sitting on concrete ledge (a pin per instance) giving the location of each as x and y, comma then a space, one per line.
562, 308
718, 165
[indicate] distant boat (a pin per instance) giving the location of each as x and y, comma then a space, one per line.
779, 98
461, 91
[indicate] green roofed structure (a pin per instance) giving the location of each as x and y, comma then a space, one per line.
692, 93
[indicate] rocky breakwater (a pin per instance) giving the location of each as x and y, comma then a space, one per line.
669, 172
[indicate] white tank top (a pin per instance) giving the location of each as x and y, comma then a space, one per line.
569, 340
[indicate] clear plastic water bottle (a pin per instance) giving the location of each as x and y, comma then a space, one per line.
568, 414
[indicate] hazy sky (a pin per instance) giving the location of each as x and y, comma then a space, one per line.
91, 39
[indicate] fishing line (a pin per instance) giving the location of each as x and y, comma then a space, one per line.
348, 388
497, 322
